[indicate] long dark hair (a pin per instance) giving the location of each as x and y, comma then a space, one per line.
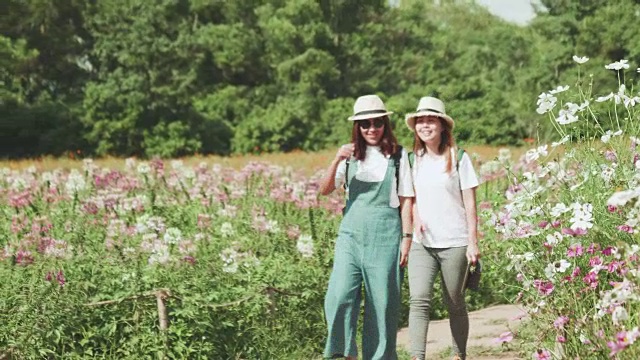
388, 143
446, 143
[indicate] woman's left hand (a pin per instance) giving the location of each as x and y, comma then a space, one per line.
473, 253
404, 252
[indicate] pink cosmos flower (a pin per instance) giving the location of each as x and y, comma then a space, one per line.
542, 354
505, 337
560, 322
593, 248
572, 232
575, 272
543, 287
60, 278
594, 261
625, 228
24, 257
591, 279
610, 155
574, 250
561, 339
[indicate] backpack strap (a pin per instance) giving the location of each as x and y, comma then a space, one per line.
459, 157
396, 162
412, 158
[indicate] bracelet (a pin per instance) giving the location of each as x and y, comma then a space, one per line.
407, 235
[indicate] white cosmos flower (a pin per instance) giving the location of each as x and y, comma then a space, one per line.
620, 198
144, 168
559, 209
559, 266
609, 134
582, 216
535, 154
604, 98
546, 102
559, 89
562, 141
555, 238
618, 65
619, 314
566, 117
580, 59
631, 101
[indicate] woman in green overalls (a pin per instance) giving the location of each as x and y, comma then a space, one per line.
374, 237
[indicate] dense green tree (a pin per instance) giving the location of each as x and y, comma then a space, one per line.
177, 77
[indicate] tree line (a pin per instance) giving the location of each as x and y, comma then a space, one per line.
178, 77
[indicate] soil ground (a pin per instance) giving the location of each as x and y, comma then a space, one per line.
485, 326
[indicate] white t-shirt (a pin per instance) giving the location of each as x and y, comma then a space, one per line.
373, 169
439, 199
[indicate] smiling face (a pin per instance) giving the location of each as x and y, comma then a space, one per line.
372, 130
429, 129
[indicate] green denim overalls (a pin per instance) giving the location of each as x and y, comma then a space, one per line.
367, 250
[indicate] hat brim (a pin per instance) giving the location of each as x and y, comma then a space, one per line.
369, 116
410, 119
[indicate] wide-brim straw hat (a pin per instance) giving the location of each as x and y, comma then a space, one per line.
369, 107
428, 106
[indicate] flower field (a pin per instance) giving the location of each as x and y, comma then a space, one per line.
163, 259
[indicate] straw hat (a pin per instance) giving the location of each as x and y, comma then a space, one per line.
428, 106
369, 107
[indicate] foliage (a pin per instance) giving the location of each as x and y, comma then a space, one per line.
241, 258
176, 77
569, 225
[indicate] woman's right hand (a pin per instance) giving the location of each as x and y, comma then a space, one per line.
345, 152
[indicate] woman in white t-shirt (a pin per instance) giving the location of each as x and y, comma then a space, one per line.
445, 225
374, 236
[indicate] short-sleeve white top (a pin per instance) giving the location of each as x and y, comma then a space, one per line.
439, 200
373, 169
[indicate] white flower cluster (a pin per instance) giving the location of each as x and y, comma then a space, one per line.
559, 266
582, 216
305, 245
612, 301
75, 182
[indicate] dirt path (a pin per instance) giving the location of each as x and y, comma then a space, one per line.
484, 327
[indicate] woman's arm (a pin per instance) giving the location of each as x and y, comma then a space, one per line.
469, 200
406, 203
328, 182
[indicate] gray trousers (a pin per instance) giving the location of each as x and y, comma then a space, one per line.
424, 265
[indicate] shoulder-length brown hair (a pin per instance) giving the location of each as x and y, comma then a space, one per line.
447, 142
388, 143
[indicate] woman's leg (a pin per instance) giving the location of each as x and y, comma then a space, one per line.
382, 279
454, 268
342, 301
423, 268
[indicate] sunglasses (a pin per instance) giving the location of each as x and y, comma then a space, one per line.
365, 124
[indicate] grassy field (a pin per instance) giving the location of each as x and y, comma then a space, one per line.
298, 160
